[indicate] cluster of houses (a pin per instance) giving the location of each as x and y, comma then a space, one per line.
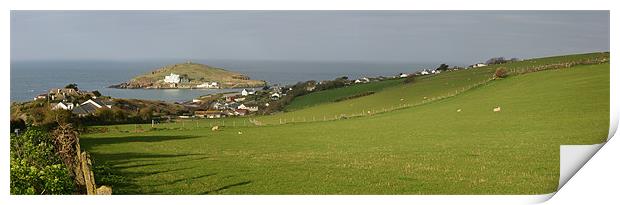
238, 103
83, 109
64, 98
62, 94
230, 104
174, 80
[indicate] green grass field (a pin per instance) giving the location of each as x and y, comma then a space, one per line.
327, 96
424, 89
425, 149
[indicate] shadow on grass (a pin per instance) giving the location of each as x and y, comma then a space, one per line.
226, 187
130, 184
87, 143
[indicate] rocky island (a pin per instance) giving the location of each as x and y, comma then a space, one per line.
190, 75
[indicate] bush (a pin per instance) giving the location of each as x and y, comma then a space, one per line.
409, 79
35, 168
500, 73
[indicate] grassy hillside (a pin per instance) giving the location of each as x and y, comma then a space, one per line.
197, 73
327, 96
427, 149
425, 89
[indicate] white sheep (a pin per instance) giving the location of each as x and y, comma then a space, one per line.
497, 109
215, 128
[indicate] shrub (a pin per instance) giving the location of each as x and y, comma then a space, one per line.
500, 73
355, 96
409, 79
35, 168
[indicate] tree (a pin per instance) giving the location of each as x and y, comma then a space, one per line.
496, 60
443, 67
105, 115
146, 113
97, 93
17, 124
72, 86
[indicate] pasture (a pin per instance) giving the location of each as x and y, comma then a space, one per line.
429, 148
425, 89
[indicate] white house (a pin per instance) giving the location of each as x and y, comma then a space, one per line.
41, 96
172, 78
63, 105
477, 65
97, 103
403, 75
209, 85
245, 92
437, 71
250, 108
275, 96
362, 80
424, 72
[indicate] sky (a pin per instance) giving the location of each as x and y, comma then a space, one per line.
380, 36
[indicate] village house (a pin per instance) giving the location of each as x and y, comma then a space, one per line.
362, 80
424, 72
249, 108
218, 106
275, 96
40, 97
241, 112
90, 107
209, 113
62, 105
403, 75
172, 78
209, 85
98, 103
62, 93
477, 65
246, 92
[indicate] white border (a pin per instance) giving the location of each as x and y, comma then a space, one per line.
598, 176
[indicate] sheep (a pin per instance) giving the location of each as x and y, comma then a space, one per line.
215, 128
459, 110
497, 109
240, 132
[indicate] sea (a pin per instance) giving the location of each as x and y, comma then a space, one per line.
30, 78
